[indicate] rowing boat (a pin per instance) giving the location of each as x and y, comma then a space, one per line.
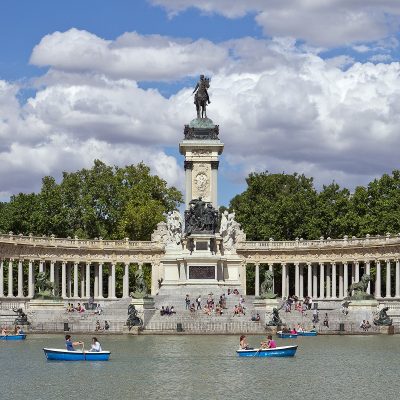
21, 336
283, 351
65, 355
308, 333
286, 335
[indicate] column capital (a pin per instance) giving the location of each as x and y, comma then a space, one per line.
188, 165
214, 164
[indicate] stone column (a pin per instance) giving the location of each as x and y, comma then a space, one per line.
52, 273
368, 271
309, 279
87, 279
41, 266
328, 281
181, 265
109, 282
20, 279
341, 274
31, 280
1, 278
378, 280
69, 280
353, 273
388, 280
357, 272
397, 294
315, 282
113, 281
155, 269
64, 280
76, 280
345, 278
82, 281
188, 180
100, 280
257, 280
125, 288
334, 280
214, 183
96, 281
57, 278
321, 280
301, 282
284, 280
297, 279
10, 279
271, 268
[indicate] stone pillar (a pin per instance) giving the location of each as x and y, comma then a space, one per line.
257, 280
397, 294
309, 280
345, 278
181, 266
109, 282
87, 279
328, 281
96, 281
334, 280
41, 266
52, 273
284, 280
353, 273
315, 282
188, 180
69, 280
214, 183
341, 273
64, 280
388, 280
82, 281
125, 288
155, 269
10, 279
1, 278
20, 279
271, 268
357, 271
301, 282
57, 278
297, 279
113, 281
378, 280
368, 271
31, 280
100, 280
321, 280
76, 280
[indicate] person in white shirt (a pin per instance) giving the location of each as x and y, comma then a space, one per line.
96, 347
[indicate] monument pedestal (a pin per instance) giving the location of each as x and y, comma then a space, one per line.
363, 309
145, 308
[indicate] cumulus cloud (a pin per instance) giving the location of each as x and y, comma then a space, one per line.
322, 23
130, 56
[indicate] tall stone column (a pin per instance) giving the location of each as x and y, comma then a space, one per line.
69, 279
257, 280
214, 183
378, 280
271, 268
31, 280
113, 280
52, 273
321, 280
397, 294
357, 272
368, 271
100, 280
20, 279
41, 266
345, 278
328, 281
188, 181
96, 281
284, 280
1, 278
155, 270
353, 272
297, 279
88, 279
315, 282
125, 286
57, 277
64, 280
301, 282
341, 283
82, 281
334, 280
388, 279
76, 295
10, 279
309, 279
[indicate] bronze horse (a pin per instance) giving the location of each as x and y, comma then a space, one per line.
201, 98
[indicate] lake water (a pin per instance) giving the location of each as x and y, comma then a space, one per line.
204, 367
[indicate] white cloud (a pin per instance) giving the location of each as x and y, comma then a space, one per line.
323, 23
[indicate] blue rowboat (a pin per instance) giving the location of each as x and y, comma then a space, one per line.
13, 337
308, 333
284, 351
286, 335
65, 355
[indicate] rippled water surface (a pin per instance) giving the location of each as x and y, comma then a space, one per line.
204, 367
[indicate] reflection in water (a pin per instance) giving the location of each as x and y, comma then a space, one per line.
203, 367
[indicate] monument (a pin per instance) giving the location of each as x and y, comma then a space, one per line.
198, 251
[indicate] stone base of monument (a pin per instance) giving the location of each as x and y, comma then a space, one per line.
386, 330
145, 308
363, 309
45, 305
133, 331
265, 304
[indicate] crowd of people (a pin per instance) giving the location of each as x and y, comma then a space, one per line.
100, 328
81, 309
167, 310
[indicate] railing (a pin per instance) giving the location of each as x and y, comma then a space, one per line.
321, 243
9, 305
53, 241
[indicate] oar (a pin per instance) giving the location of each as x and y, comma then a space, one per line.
83, 351
257, 352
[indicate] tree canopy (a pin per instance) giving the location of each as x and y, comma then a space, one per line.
103, 201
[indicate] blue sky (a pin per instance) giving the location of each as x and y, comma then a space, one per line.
296, 86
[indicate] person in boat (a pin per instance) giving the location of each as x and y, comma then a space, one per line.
96, 347
243, 343
70, 344
269, 343
293, 331
299, 328
18, 330
4, 331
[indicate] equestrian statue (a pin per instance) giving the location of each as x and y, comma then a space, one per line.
201, 98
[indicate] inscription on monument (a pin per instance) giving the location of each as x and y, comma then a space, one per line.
201, 272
